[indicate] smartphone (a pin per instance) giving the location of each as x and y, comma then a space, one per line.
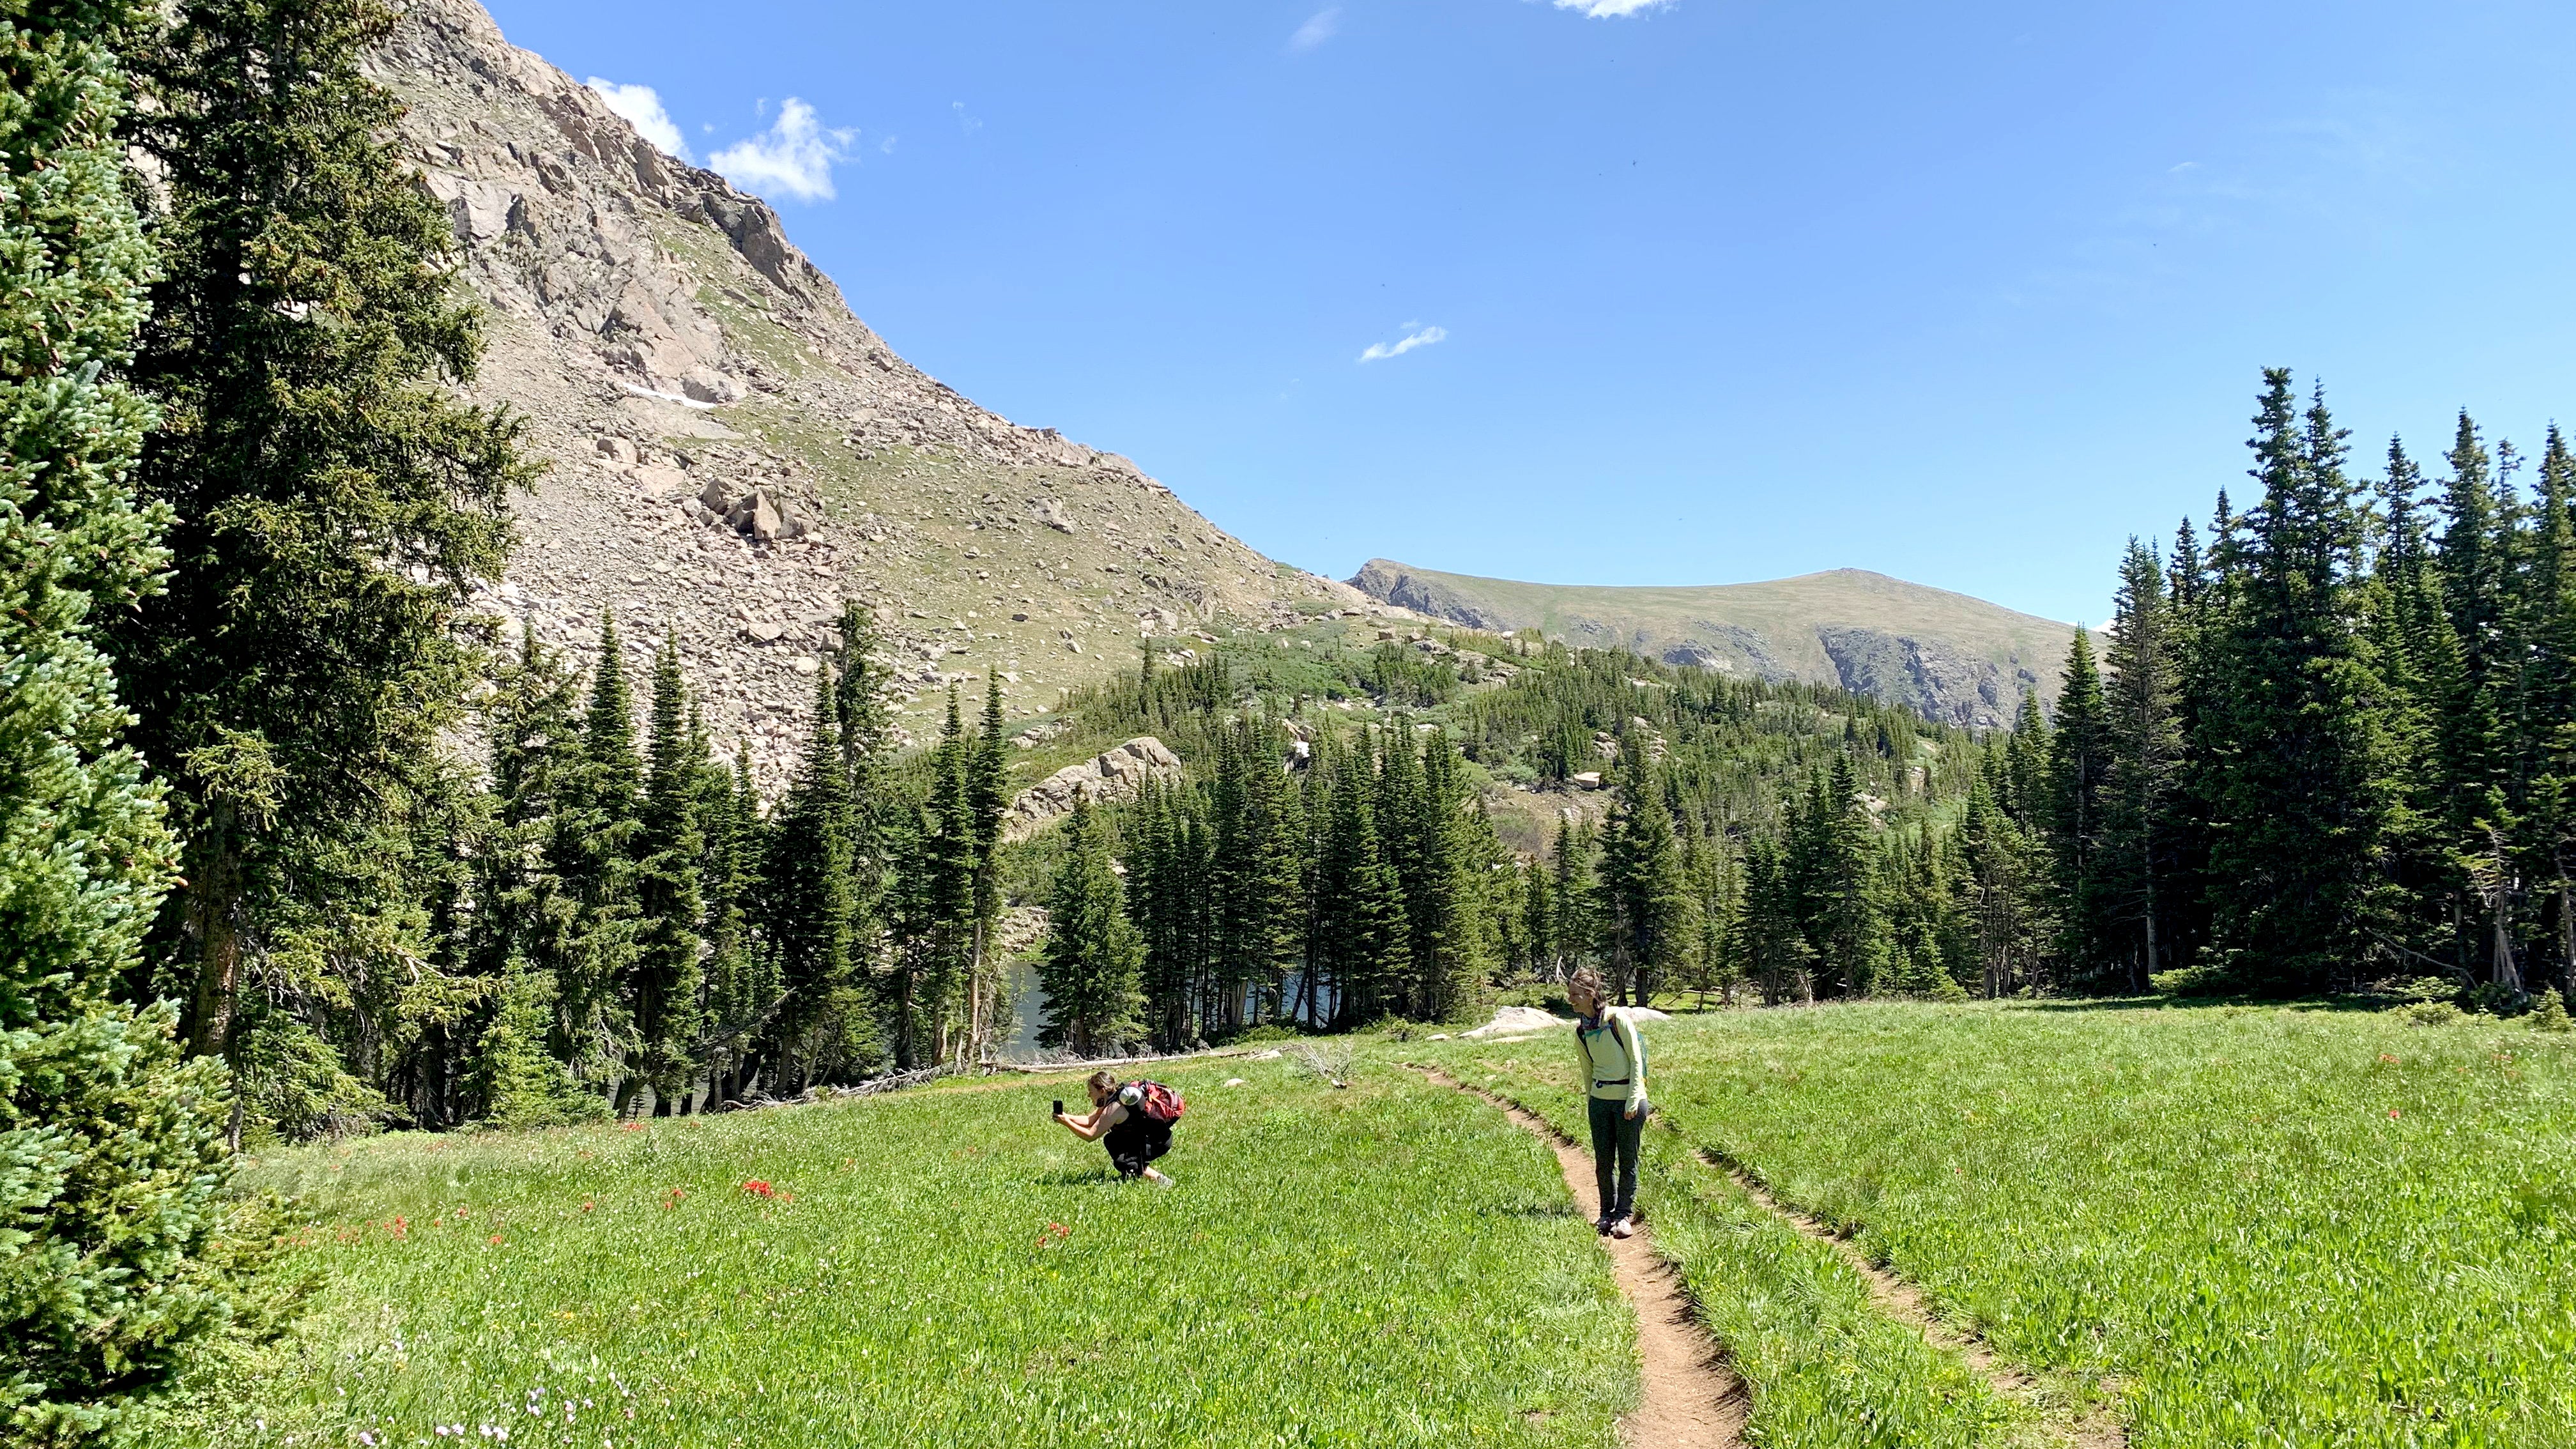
1059, 1106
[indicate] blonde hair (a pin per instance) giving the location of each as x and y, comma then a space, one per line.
1102, 1083
1588, 979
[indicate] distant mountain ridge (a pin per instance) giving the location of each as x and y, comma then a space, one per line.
1947, 656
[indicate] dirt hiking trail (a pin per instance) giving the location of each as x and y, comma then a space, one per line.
1687, 1397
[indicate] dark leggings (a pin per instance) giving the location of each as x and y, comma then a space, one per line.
1615, 1136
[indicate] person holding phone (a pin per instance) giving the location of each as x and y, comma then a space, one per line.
1133, 1119
1612, 1058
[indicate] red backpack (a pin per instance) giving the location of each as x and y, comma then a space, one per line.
1155, 1101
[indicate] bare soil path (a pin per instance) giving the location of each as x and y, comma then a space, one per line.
1688, 1398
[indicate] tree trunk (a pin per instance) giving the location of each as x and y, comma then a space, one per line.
214, 915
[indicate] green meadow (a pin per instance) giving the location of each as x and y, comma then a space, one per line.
2223, 1226
1391, 1264
2208, 1227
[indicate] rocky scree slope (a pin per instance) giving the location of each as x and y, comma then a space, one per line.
733, 451
1947, 656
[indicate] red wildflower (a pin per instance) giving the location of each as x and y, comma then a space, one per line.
496, 1240
587, 1204
2392, 1112
758, 1188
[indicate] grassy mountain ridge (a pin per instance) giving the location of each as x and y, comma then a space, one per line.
1948, 656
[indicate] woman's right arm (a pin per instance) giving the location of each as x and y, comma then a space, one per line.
1096, 1126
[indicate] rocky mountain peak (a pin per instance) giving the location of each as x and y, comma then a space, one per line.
733, 451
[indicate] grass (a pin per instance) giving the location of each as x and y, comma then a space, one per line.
2247, 1225
1828, 1369
1393, 1264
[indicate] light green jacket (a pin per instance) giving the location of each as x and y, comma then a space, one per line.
1612, 1059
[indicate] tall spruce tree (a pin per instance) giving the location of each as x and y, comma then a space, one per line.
530, 924
1357, 939
2145, 745
113, 1149
1093, 952
2291, 731
669, 980
334, 501
1640, 889
822, 1025
987, 792
2079, 766
594, 944
2549, 694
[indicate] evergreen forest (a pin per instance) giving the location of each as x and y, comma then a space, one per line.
251, 891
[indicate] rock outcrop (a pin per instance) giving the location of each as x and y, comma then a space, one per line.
733, 451
1117, 774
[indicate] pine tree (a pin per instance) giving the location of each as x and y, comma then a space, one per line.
2079, 764
987, 792
2145, 746
517, 1080
1167, 898
1997, 883
2549, 721
1538, 916
1093, 952
113, 1148
529, 913
935, 918
1358, 940
742, 973
1255, 870
1573, 891
2418, 660
859, 711
593, 946
2291, 730
335, 503
822, 1025
670, 848
1640, 889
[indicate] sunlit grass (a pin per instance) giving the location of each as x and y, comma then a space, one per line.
1392, 1264
2256, 1226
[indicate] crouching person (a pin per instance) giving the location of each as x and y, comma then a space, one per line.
1133, 1119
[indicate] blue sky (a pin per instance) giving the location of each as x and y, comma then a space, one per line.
1698, 293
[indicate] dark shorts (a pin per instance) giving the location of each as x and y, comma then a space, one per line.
1137, 1141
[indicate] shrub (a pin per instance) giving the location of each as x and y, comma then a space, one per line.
2549, 1012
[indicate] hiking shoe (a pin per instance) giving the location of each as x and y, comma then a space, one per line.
1601, 1225
1625, 1227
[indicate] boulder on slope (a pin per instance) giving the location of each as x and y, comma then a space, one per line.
1117, 774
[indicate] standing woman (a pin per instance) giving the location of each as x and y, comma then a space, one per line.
1613, 1059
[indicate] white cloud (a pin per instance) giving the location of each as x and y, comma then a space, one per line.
966, 123
795, 155
1611, 9
1420, 337
1321, 26
642, 109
